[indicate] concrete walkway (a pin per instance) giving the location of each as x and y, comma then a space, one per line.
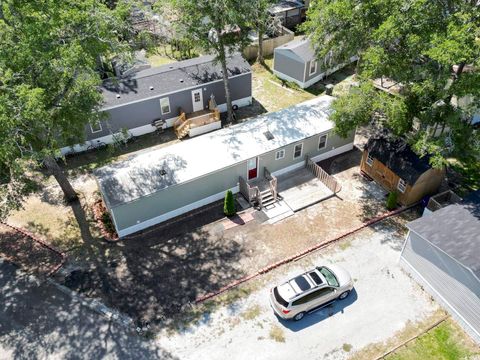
37, 321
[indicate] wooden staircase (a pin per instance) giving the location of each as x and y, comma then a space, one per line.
184, 124
267, 198
181, 125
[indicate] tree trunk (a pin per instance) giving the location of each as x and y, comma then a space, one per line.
223, 60
59, 175
260, 58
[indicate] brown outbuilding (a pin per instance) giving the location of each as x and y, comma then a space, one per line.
393, 164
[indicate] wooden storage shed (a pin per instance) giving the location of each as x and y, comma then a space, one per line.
392, 164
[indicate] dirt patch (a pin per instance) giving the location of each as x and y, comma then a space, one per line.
27, 253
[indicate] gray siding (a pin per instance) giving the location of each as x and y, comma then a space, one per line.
175, 197
456, 284
318, 72
145, 112
288, 65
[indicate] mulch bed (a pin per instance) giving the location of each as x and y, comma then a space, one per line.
100, 213
27, 253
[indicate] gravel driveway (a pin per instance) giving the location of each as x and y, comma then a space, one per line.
384, 301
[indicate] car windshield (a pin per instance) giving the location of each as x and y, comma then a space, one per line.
329, 276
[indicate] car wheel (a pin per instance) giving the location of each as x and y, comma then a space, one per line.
299, 316
344, 295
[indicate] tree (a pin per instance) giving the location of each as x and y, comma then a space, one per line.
262, 22
217, 27
49, 54
431, 48
229, 204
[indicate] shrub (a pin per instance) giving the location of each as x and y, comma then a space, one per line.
392, 200
229, 204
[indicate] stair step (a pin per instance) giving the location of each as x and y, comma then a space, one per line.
267, 197
268, 202
265, 191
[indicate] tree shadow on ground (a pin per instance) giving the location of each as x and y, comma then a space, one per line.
371, 196
156, 276
37, 321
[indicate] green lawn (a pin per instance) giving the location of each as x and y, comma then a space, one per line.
444, 342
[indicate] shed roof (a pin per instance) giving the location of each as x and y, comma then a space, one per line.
141, 175
455, 229
169, 78
301, 47
398, 157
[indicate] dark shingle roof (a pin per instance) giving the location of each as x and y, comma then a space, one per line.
169, 78
398, 157
301, 47
454, 229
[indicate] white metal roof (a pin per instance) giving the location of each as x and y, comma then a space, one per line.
141, 174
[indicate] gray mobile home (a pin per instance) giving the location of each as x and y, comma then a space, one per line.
442, 252
158, 185
290, 13
296, 61
155, 98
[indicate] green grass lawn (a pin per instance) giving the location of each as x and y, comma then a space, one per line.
444, 342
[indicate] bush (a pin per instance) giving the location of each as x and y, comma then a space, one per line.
392, 200
229, 204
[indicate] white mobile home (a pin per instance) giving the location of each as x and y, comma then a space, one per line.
158, 185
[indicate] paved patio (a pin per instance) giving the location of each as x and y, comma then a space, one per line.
301, 188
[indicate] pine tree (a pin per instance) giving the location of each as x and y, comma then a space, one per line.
229, 204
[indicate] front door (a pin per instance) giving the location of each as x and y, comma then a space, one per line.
252, 169
197, 100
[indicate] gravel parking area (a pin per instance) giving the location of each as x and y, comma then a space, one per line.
384, 302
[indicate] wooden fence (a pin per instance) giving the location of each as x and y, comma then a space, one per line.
322, 175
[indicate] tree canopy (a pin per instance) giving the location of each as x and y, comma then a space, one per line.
215, 26
431, 48
50, 52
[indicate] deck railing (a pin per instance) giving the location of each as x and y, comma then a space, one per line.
251, 193
183, 124
272, 182
329, 181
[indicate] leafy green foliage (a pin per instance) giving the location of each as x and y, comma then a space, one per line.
229, 204
392, 200
217, 27
430, 48
50, 52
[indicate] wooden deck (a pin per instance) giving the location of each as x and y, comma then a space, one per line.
301, 188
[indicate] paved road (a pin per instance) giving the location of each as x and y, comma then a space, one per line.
37, 321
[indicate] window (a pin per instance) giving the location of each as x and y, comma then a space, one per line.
313, 67
280, 154
402, 185
329, 276
165, 105
280, 300
196, 97
313, 296
322, 143
297, 151
369, 160
96, 127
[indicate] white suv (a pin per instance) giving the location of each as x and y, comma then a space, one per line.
309, 291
